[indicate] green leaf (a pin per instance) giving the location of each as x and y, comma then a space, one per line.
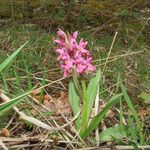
8, 105
84, 120
89, 96
132, 129
101, 115
121, 117
4, 64
145, 96
130, 105
74, 102
92, 91
111, 134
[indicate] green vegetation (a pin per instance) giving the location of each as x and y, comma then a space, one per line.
36, 67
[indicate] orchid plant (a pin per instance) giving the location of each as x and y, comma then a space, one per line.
75, 61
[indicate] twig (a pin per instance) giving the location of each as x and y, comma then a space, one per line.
128, 147
35, 138
110, 51
3, 145
118, 56
34, 120
118, 147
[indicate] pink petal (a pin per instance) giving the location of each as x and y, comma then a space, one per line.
89, 59
91, 67
65, 73
82, 44
59, 42
80, 68
61, 51
75, 34
69, 64
61, 33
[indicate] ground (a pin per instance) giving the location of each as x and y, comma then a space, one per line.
36, 66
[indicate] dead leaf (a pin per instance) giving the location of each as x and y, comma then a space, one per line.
130, 112
49, 105
36, 92
5, 132
58, 105
110, 113
63, 104
44, 97
142, 112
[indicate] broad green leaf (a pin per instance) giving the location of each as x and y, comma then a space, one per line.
145, 96
101, 115
4, 64
88, 97
84, 120
111, 134
74, 102
130, 105
92, 91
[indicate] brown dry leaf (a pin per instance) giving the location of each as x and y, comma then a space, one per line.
142, 112
58, 105
36, 92
44, 97
49, 105
110, 113
5, 132
130, 112
63, 104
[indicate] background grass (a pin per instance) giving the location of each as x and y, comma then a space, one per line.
97, 22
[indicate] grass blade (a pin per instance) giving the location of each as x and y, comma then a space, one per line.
121, 117
132, 130
4, 64
9, 104
130, 105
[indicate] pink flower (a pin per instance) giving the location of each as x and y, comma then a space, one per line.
73, 54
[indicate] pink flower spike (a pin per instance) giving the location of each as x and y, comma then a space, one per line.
71, 53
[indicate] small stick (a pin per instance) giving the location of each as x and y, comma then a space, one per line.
110, 51
3, 145
34, 120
